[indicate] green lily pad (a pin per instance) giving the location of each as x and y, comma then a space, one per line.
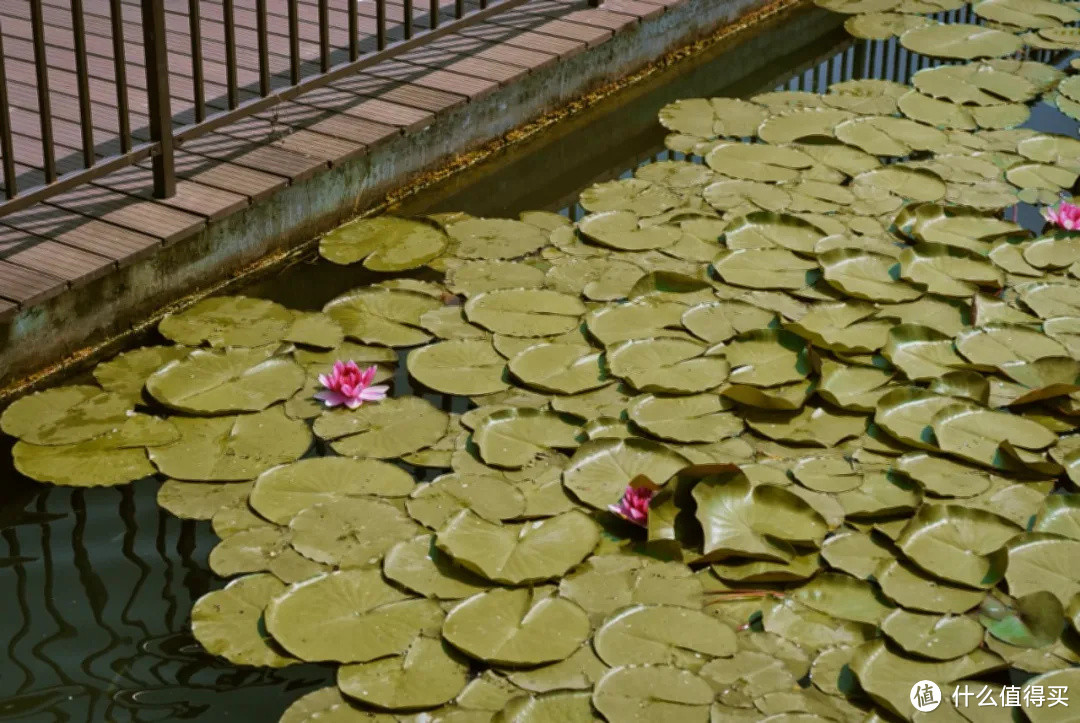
459, 366
906, 412
279, 494
712, 117
65, 415
516, 627
1042, 561
100, 462
1060, 515
603, 584
384, 243
314, 329
699, 418
666, 364
228, 321
978, 434
601, 469
921, 352
228, 622
932, 636
220, 382
475, 277
761, 522
959, 544
663, 635
1039, 689
957, 40
653, 694
362, 618
906, 585
493, 499
385, 429
425, 675
578, 672
560, 705
494, 238
767, 358
888, 677
375, 315
620, 230
866, 275
126, 373
1034, 620
856, 553
329, 706
525, 312
350, 531
765, 268
641, 197
560, 368
200, 501
843, 597
718, 321
514, 437
812, 425
640, 319
223, 449
419, 566
853, 388
943, 477
519, 553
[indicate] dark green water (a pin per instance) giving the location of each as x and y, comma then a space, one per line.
98, 583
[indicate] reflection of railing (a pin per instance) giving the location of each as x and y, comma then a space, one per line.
101, 583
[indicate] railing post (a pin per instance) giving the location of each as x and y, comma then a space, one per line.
157, 90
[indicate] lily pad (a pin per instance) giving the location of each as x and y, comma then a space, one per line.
518, 627
560, 368
519, 553
1041, 561
363, 618
425, 675
228, 321
663, 634
525, 312
699, 418
384, 243
666, 364
126, 373
765, 268
514, 437
376, 315
228, 622
223, 449
350, 532
653, 694
601, 469
957, 40
459, 366
960, 544
434, 503
65, 415
384, 430
279, 494
419, 566
220, 382
494, 238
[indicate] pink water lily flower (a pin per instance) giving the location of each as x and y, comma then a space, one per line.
347, 385
634, 505
1064, 215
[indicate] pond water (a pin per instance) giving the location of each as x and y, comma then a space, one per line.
100, 582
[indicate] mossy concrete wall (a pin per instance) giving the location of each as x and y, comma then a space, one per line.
67, 325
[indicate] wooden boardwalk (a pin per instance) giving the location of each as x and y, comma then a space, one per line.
87, 232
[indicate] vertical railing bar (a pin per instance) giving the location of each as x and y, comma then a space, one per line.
483, 4
230, 53
380, 23
324, 35
10, 184
195, 26
82, 73
434, 10
44, 103
354, 31
157, 91
408, 19
264, 48
120, 71
294, 42
459, 9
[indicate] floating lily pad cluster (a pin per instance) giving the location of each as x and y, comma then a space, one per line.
852, 383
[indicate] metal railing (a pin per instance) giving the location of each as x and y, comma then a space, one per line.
164, 30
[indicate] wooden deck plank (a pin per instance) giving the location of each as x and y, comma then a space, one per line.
370, 109
559, 46
51, 258
466, 85
254, 184
7, 309
99, 237
339, 125
148, 217
22, 286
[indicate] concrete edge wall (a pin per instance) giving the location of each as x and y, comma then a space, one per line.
67, 324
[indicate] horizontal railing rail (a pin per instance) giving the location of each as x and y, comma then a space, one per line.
147, 125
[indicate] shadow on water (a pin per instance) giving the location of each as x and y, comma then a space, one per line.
100, 582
